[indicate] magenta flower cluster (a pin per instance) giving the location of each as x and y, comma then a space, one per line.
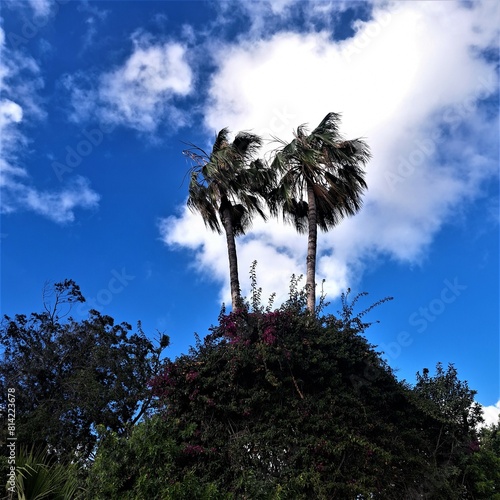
232, 325
163, 384
229, 327
270, 328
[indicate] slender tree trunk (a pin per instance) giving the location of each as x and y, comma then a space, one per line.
233, 259
311, 250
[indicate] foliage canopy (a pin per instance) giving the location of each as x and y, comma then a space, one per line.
281, 404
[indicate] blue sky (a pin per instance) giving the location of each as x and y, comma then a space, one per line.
99, 98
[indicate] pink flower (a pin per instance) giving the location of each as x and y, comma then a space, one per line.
268, 336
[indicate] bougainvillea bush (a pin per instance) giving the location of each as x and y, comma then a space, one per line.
286, 404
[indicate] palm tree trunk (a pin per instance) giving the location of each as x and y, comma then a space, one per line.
233, 259
311, 250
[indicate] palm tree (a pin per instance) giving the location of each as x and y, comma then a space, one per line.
325, 170
226, 188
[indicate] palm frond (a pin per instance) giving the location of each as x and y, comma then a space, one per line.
201, 201
229, 178
240, 218
328, 126
221, 140
332, 166
246, 144
39, 476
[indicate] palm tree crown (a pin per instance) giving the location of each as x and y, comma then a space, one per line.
322, 181
226, 188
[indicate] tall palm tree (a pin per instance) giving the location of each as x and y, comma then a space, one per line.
322, 181
226, 188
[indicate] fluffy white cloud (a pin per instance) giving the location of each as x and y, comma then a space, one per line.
491, 414
10, 112
20, 101
140, 93
411, 81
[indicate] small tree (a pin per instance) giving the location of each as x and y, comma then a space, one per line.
71, 376
451, 419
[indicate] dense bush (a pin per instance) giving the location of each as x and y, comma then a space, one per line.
286, 404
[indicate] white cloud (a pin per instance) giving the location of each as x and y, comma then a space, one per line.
491, 414
9, 112
35, 12
21, 102
264, 17
41, 8
173, 231
93, 17
58, 206
93, 10
140, 93
410, 81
